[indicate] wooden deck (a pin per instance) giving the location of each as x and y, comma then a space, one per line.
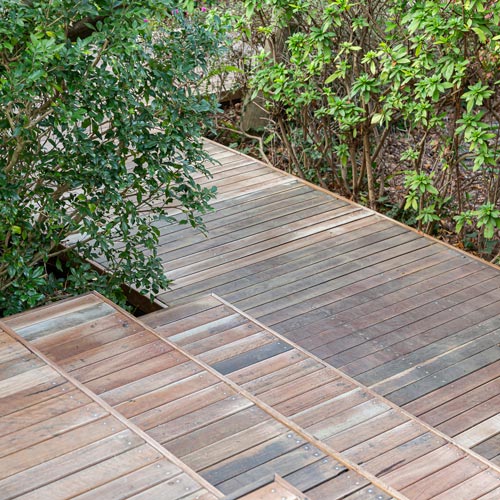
233, 442
218, 399
415, 320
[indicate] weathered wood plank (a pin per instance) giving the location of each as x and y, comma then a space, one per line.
69, 463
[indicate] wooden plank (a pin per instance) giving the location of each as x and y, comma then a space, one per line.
250, 357
435, 365
266, 367
238, 217
461, 423
474, 487
328, 264
292, 389
314, 398
28, 318
462, 403
281, 377
182, 252
66, 320
489, 448
242, 276
156, 380
364, 431
236, 348
25, 380
288, 308
69, 463
118, 357
186, 391
444, 377
33, 394
268, 248
175, 488
365, 284
339, 487
159, 413
86, 337
239, 464
444, 479
315, 474
433, 343
283, 465
369, 492
288, 232
404, 453
424, 466
126, 376
216, 431
384, 442
198, 419
480, 432
34, 414
41, 431
57, 446
213, 336
450, 391
274, 491
96, 475
412, 330
400, 315
345, 419
134, 482
234, 444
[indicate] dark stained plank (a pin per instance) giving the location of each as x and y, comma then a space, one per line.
315, 473
285, 464
339, 487
250, 357
236, 466
449, 392
232, 445
489, 448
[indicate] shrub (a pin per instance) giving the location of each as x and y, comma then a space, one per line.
100, 128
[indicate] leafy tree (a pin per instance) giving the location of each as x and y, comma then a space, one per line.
100, 128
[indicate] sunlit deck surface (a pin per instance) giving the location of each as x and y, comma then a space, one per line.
409, 317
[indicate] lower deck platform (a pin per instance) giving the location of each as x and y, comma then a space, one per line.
212, 404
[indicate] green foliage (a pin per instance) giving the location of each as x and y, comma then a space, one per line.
351, 76
100, 128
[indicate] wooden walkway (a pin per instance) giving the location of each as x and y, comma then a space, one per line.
417, 321
219, 400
